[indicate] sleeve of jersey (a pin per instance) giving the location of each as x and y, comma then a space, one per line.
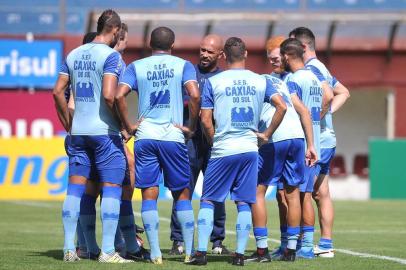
113, 64
294, 88
318, 73
270, 91
64, 68
207, 96
189, 73
129, 77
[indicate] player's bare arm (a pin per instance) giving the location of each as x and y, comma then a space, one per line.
327, 98
60, 102
306, 121
280, 106
207, 124
341, 94
109, 90
193, 91
122, 110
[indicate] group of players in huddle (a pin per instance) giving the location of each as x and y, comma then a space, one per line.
243, 130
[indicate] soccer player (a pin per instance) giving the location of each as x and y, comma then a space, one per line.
321, 192
92, 71
282, 163
126, 227
235, 98
160, 136
211, 51
307, 87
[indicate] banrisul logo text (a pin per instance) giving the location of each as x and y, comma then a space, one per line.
29, 64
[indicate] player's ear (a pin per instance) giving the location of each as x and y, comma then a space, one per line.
224, 55
173, 44
221, 54
246, 54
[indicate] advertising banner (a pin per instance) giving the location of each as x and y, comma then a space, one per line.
29, 64
37, 169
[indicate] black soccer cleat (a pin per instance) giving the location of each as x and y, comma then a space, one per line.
289, 255
238, 259
177, 248
261, 255
200, 258
142, 255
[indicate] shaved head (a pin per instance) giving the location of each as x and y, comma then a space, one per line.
211, 49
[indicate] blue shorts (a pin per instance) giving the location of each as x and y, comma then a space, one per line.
154, 157
282, 162
236, 174
323, 164
105, 153
310, 174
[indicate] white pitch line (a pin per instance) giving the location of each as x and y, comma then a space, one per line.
138, 214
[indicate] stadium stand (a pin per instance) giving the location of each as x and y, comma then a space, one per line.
360, 167
337, 167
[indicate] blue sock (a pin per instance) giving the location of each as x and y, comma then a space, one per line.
70, 214
292, 236
204, 225
88, 222
325, 243
110, 212
127, 226
184, 213
81, 241
261, 237
243, 226
284, 237
150, 218
307, 239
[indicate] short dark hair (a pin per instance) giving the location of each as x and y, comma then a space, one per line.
234, 49
162, 38
108, 20
292, 47
89, 37
124, 29
305, 35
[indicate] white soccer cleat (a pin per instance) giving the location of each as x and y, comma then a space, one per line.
323, 253
70, 256
157, 260
112, 258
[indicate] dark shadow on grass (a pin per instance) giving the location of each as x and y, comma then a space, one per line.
210, 258
53, 253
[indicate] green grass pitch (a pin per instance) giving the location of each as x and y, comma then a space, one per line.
31, 237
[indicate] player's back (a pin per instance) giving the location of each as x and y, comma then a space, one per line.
327, 137
238, 97
308, 88
160, 91
290, 127
87, 65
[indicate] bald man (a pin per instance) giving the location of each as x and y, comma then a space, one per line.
211, 51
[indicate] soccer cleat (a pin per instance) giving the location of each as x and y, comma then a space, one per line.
309, 254
188, 258
112, 258
238, 259
177, 248
200, 258
82, 253
256, 257
70, 256
220, 249
277, 254
323, 253
289, 255
157, 260
141, 255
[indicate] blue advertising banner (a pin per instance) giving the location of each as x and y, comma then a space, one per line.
29, 64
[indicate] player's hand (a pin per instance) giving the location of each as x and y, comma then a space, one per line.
311, 156
133, 129
186, 131
124, 134
262, 139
